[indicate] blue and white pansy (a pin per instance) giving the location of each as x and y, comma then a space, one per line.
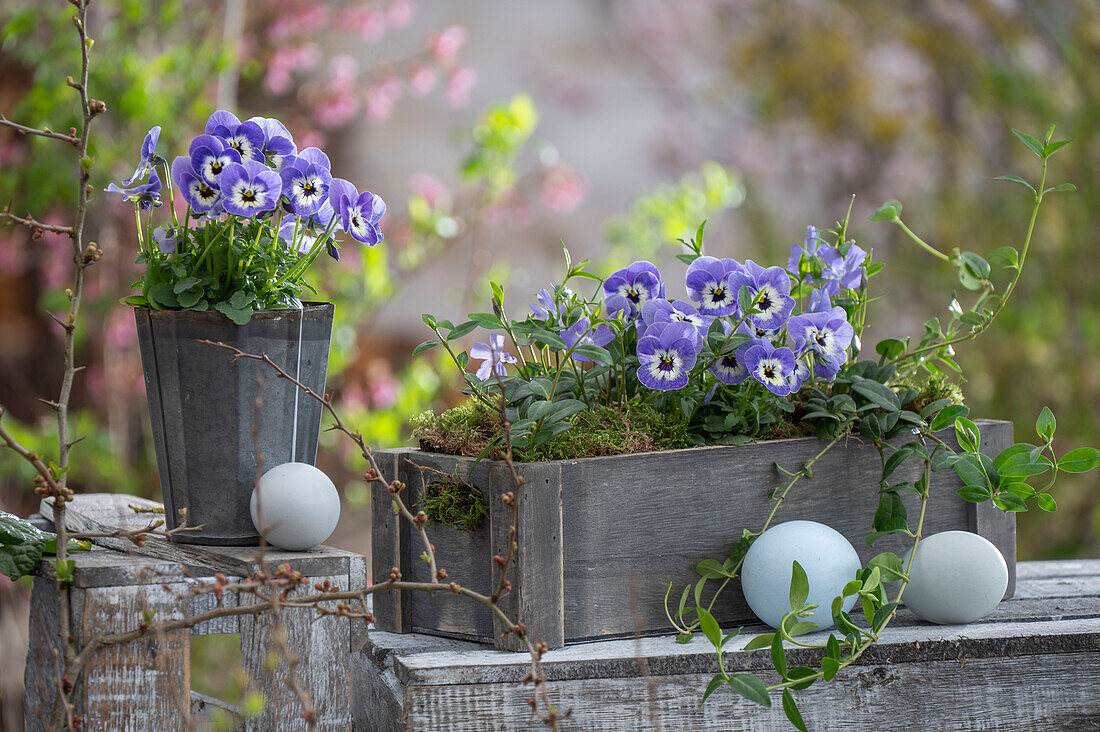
626, 290
210, 156
201, 195
250, 188
710, 286
666, 355
305, 186
771, 288
247, 138
773, 367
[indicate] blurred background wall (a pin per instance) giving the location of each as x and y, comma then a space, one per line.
495, 131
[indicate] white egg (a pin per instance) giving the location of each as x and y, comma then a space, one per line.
957, 577
300, 506
830, 562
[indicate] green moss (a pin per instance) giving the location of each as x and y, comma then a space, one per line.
455, 503
934, 389
470, 427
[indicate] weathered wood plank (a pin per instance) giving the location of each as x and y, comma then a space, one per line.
390, 546
322, 647
908, 681
537, 569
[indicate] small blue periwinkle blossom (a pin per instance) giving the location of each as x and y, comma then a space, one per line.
210, 156
810, 248
495, 357
148, 152
201, 195
709, 286
146, 195
771, 286
250, 188
247, 138
659, 310
579, 334
771, 366
627, 289
666, 354
843, 272
544, 307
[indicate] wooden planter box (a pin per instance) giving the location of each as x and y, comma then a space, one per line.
601, 538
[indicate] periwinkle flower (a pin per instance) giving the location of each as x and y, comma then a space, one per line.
659, 310
305, 185
627, 289
810, 248
819, 301
666, 354
709, 285
827, 334
247, 138
582, 332
544, 306
210, 156
250, 188
148, 151
771, 366
494, 355
771, 288
146, 195
843, 271
200, 195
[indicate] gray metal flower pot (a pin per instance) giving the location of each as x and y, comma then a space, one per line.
210, 416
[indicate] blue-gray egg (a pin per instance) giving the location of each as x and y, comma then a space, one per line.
299, 506
830, 562
957, 577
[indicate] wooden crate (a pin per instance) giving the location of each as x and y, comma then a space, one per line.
601, 538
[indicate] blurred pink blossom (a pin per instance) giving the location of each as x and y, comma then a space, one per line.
121, 330
343, 69
563, 189
381, 98
13, 258
422, 79
459, 85
298, 21
309, 137
432, 189
400, 12
277, 80
446, 44
368, 22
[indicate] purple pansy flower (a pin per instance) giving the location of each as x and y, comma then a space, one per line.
148, 150
250, 188
827, 334
146, 195
771, 366
210, 156
165, 237
846, 271
247, 138
278, 142
494, 355
772, 288
709, 285
601, 335
666, 354
305, 186
200, 195
810, 249
798, 376
360, 217
730, 368
544, 306
627, 289
296, 234
662, 311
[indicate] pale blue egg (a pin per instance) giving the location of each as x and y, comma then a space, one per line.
830, 562
957, 577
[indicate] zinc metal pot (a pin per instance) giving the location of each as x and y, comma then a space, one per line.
211, 413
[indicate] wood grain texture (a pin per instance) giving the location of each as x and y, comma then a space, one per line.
537, 570
389, 545
1017, 669
630, 524
322, 646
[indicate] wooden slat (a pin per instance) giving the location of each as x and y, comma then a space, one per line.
389, 542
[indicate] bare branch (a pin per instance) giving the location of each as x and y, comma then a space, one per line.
72, 139
35, 225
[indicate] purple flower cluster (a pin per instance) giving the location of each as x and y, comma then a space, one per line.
253, 169
671, 334
838, 270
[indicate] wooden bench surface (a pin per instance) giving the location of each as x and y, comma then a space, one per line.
1033, 664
